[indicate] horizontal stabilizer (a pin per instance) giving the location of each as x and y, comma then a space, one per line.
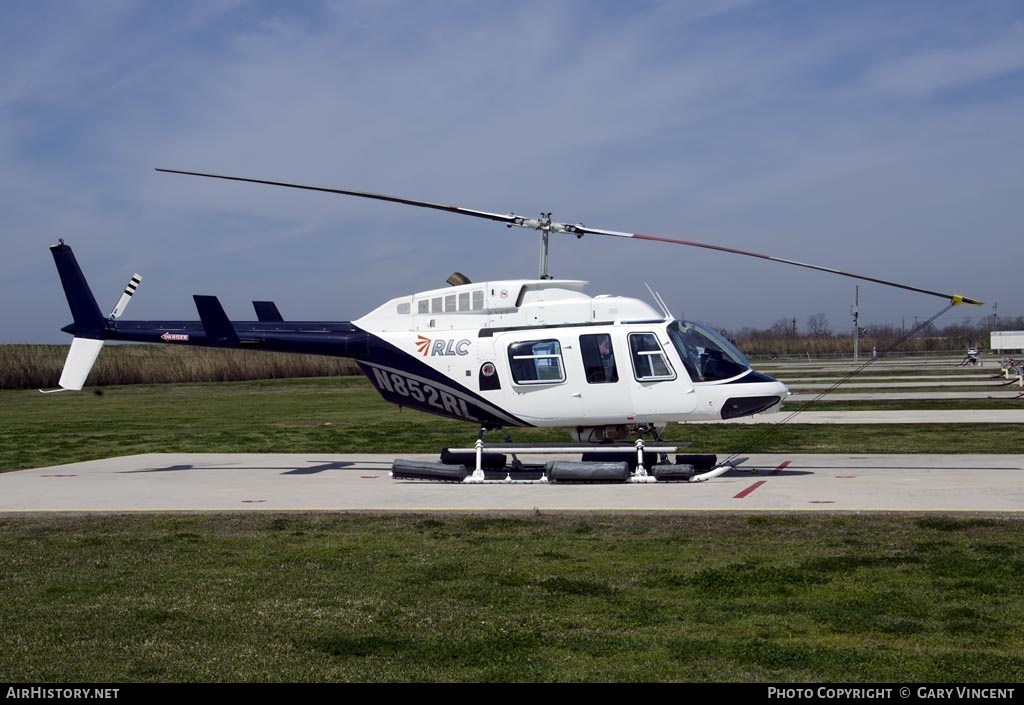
219, 330
266, 312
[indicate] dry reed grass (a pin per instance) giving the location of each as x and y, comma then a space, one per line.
39, 366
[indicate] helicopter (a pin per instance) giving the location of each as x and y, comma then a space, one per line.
499, 354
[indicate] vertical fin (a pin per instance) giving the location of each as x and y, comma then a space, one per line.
90, 328
89, 322
219, 330
266, 312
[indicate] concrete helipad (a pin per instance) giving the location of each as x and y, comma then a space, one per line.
272, 482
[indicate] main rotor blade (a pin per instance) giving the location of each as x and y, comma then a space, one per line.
578, 229
953, 298
500, 217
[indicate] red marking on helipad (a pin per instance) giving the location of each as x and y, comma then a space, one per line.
58, 476
253, 501
776, 471
845, 477
750, 489
368, 477
821, 501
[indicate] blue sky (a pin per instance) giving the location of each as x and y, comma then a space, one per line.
882, 138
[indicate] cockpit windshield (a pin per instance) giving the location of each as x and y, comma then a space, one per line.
708, 356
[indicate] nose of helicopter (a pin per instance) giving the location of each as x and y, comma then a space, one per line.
761, 393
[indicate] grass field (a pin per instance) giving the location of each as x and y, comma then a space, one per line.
260, 597
560, 597
345, 414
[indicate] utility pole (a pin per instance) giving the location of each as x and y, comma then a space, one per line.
855, 310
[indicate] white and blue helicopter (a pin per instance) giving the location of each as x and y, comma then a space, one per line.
498, 354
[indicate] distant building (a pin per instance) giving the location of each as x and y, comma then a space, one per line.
1007, 341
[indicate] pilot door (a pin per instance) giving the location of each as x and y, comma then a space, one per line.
658, 390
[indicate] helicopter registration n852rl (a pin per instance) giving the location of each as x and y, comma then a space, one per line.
544, 353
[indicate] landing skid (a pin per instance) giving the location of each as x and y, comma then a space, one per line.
638, 462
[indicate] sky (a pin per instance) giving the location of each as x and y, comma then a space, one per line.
877, 137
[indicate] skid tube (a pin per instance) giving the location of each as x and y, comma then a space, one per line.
606, 463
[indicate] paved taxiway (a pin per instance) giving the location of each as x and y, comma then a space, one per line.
334, 482
314, 481
934, 416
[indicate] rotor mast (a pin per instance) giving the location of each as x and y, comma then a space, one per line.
544, 237
545, 226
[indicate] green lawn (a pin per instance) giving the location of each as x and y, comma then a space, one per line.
335, 597
345, 414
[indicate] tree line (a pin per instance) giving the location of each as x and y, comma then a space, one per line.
816, 337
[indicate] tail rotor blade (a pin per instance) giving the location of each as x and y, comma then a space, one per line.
126, 296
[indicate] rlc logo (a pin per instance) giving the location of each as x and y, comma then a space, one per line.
425, 346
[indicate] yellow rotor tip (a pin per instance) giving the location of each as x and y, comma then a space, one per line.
958, 299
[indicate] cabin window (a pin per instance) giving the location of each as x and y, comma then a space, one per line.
706, 355
449, 303
598, 358
403, 309
649, 361
478, 300
436, 306
423, 306
464, 301
536, 362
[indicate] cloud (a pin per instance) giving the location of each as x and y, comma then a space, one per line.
931, 72
871, 137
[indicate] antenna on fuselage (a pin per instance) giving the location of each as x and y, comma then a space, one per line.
660, 301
